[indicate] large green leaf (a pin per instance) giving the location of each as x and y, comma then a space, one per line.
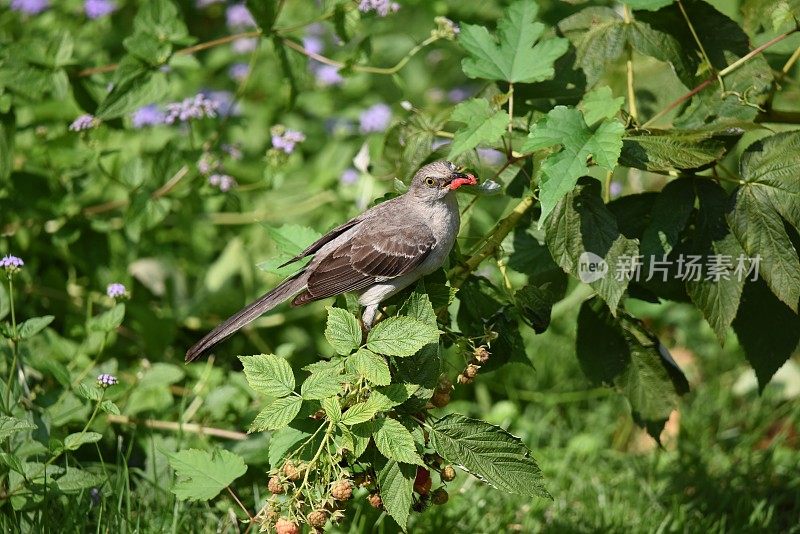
770, 195
342, 331
488, 452
767, 330
321, 385
599, 104
396, 482
671, 150
583, 238
395, 441
515, 59
12, 425
371, 366
401, 336
268, 374
621, 353
289, 239
277, 414
565, 127
135, 86
483, 125
201, 475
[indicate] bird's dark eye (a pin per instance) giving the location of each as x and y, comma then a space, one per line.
430, 182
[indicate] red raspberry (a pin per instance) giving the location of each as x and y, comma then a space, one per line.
286, 526
448, 473
342, 490
317, 518
439, 496
422, 483
274, 485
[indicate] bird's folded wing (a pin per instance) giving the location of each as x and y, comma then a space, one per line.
324, 240
371, 256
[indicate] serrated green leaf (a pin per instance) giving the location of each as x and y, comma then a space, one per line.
560, 171
599, 104
136, 91
12, 425
360, 412
74, 441
488, 452
264, 13
483, 125
396, 482
649, 5
342, 330
33, 326
277, 414
371, 366
516, 59
290, 239
395, 441
109, 407
419, 304
108, 320
89, 391
401, 336
321, 385
671, 150
759, 312
621, 353
582, 232
268, 374
333, 409
202, 474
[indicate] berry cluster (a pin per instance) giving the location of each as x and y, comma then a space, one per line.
480, 355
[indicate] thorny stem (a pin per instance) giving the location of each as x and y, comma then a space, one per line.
724, 72
460, 273
313, 461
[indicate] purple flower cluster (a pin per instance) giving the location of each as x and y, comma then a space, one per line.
326, 75
11, 264
287, 140
106, 380
149, 115
232, 150
84, 122
30, 7
95, 9
116, 291
222, 181
194, 107
381, 7
239, 71
207, 164
239, 17
375, 118
349, 176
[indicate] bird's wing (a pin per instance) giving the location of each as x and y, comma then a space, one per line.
324, 240
370, 256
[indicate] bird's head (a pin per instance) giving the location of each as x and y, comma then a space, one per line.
436, 180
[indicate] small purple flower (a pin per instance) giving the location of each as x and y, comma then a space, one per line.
11, 264
459, 94
244, 45
287, 140
313, 44
222, 181
30, 7
349, 176
224, 102
207, 164
104, 380
116, 291
239, 17
95, 495
233, 151
615, 190
95, 9
194, 107
149, 115
84, 122
327, 75
239, 71
375, 118
381, 7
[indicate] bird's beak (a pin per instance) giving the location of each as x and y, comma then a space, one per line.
457, 179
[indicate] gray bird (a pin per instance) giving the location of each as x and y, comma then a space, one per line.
376, 254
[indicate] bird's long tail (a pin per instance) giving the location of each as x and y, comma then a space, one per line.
248, 314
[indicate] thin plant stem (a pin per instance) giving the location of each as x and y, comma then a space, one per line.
695, 36
235, 498
632, 110
14, 343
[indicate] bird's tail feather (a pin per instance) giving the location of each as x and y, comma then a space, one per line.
248, 314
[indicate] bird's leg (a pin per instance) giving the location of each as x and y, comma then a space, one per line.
369, 316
